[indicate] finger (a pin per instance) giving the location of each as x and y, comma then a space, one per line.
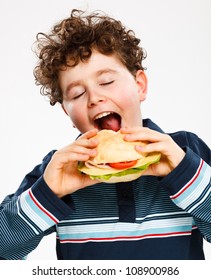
152, 147
87, 139
87, 143
66, 158
89, 134
81, 146
77, 149
143, 134
125, 130
75, 152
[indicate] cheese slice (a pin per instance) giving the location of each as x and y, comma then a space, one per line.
94, 170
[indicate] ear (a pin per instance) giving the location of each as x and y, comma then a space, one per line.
142, 84
66, 112
64, 109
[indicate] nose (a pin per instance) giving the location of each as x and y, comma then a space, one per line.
95, 98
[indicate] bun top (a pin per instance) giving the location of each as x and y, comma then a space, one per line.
113, 148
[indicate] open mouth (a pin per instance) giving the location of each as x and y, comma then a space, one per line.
108, 120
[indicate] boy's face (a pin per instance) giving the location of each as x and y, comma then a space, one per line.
101, 93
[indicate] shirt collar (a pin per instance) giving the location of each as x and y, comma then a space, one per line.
150, 124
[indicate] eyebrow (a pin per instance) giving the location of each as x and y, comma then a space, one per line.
106, 70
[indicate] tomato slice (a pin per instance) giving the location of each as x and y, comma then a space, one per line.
123, 165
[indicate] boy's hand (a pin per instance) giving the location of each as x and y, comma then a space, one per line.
62, 175
171, 153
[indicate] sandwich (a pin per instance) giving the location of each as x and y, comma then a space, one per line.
117, 160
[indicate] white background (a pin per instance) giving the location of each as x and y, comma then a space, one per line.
177, 37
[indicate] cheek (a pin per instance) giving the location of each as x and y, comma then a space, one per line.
69, 110
78, 116
129, 98
75, 115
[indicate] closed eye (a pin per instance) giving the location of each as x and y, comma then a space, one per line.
105, 84
78, 95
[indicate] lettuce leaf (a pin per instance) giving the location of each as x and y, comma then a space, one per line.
122, 173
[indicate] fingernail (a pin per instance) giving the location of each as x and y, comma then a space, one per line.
93, 152
95, 141
127, 136
140, 148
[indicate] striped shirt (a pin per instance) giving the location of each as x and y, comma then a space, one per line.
148, 218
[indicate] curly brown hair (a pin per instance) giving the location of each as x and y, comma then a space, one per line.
73, 39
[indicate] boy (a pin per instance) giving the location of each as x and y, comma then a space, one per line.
92, 65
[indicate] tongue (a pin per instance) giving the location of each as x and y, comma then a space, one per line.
111, 122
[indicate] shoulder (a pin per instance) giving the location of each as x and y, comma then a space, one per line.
48, 157
184, 137
194, 142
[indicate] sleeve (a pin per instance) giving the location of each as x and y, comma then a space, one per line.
189, 184
29, 214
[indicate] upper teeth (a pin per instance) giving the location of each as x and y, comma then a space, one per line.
102, 115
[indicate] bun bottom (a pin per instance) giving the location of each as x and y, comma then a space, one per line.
125, 178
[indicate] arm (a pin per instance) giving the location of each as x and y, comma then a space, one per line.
185, 172
42, 199
29, 214
189, 184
